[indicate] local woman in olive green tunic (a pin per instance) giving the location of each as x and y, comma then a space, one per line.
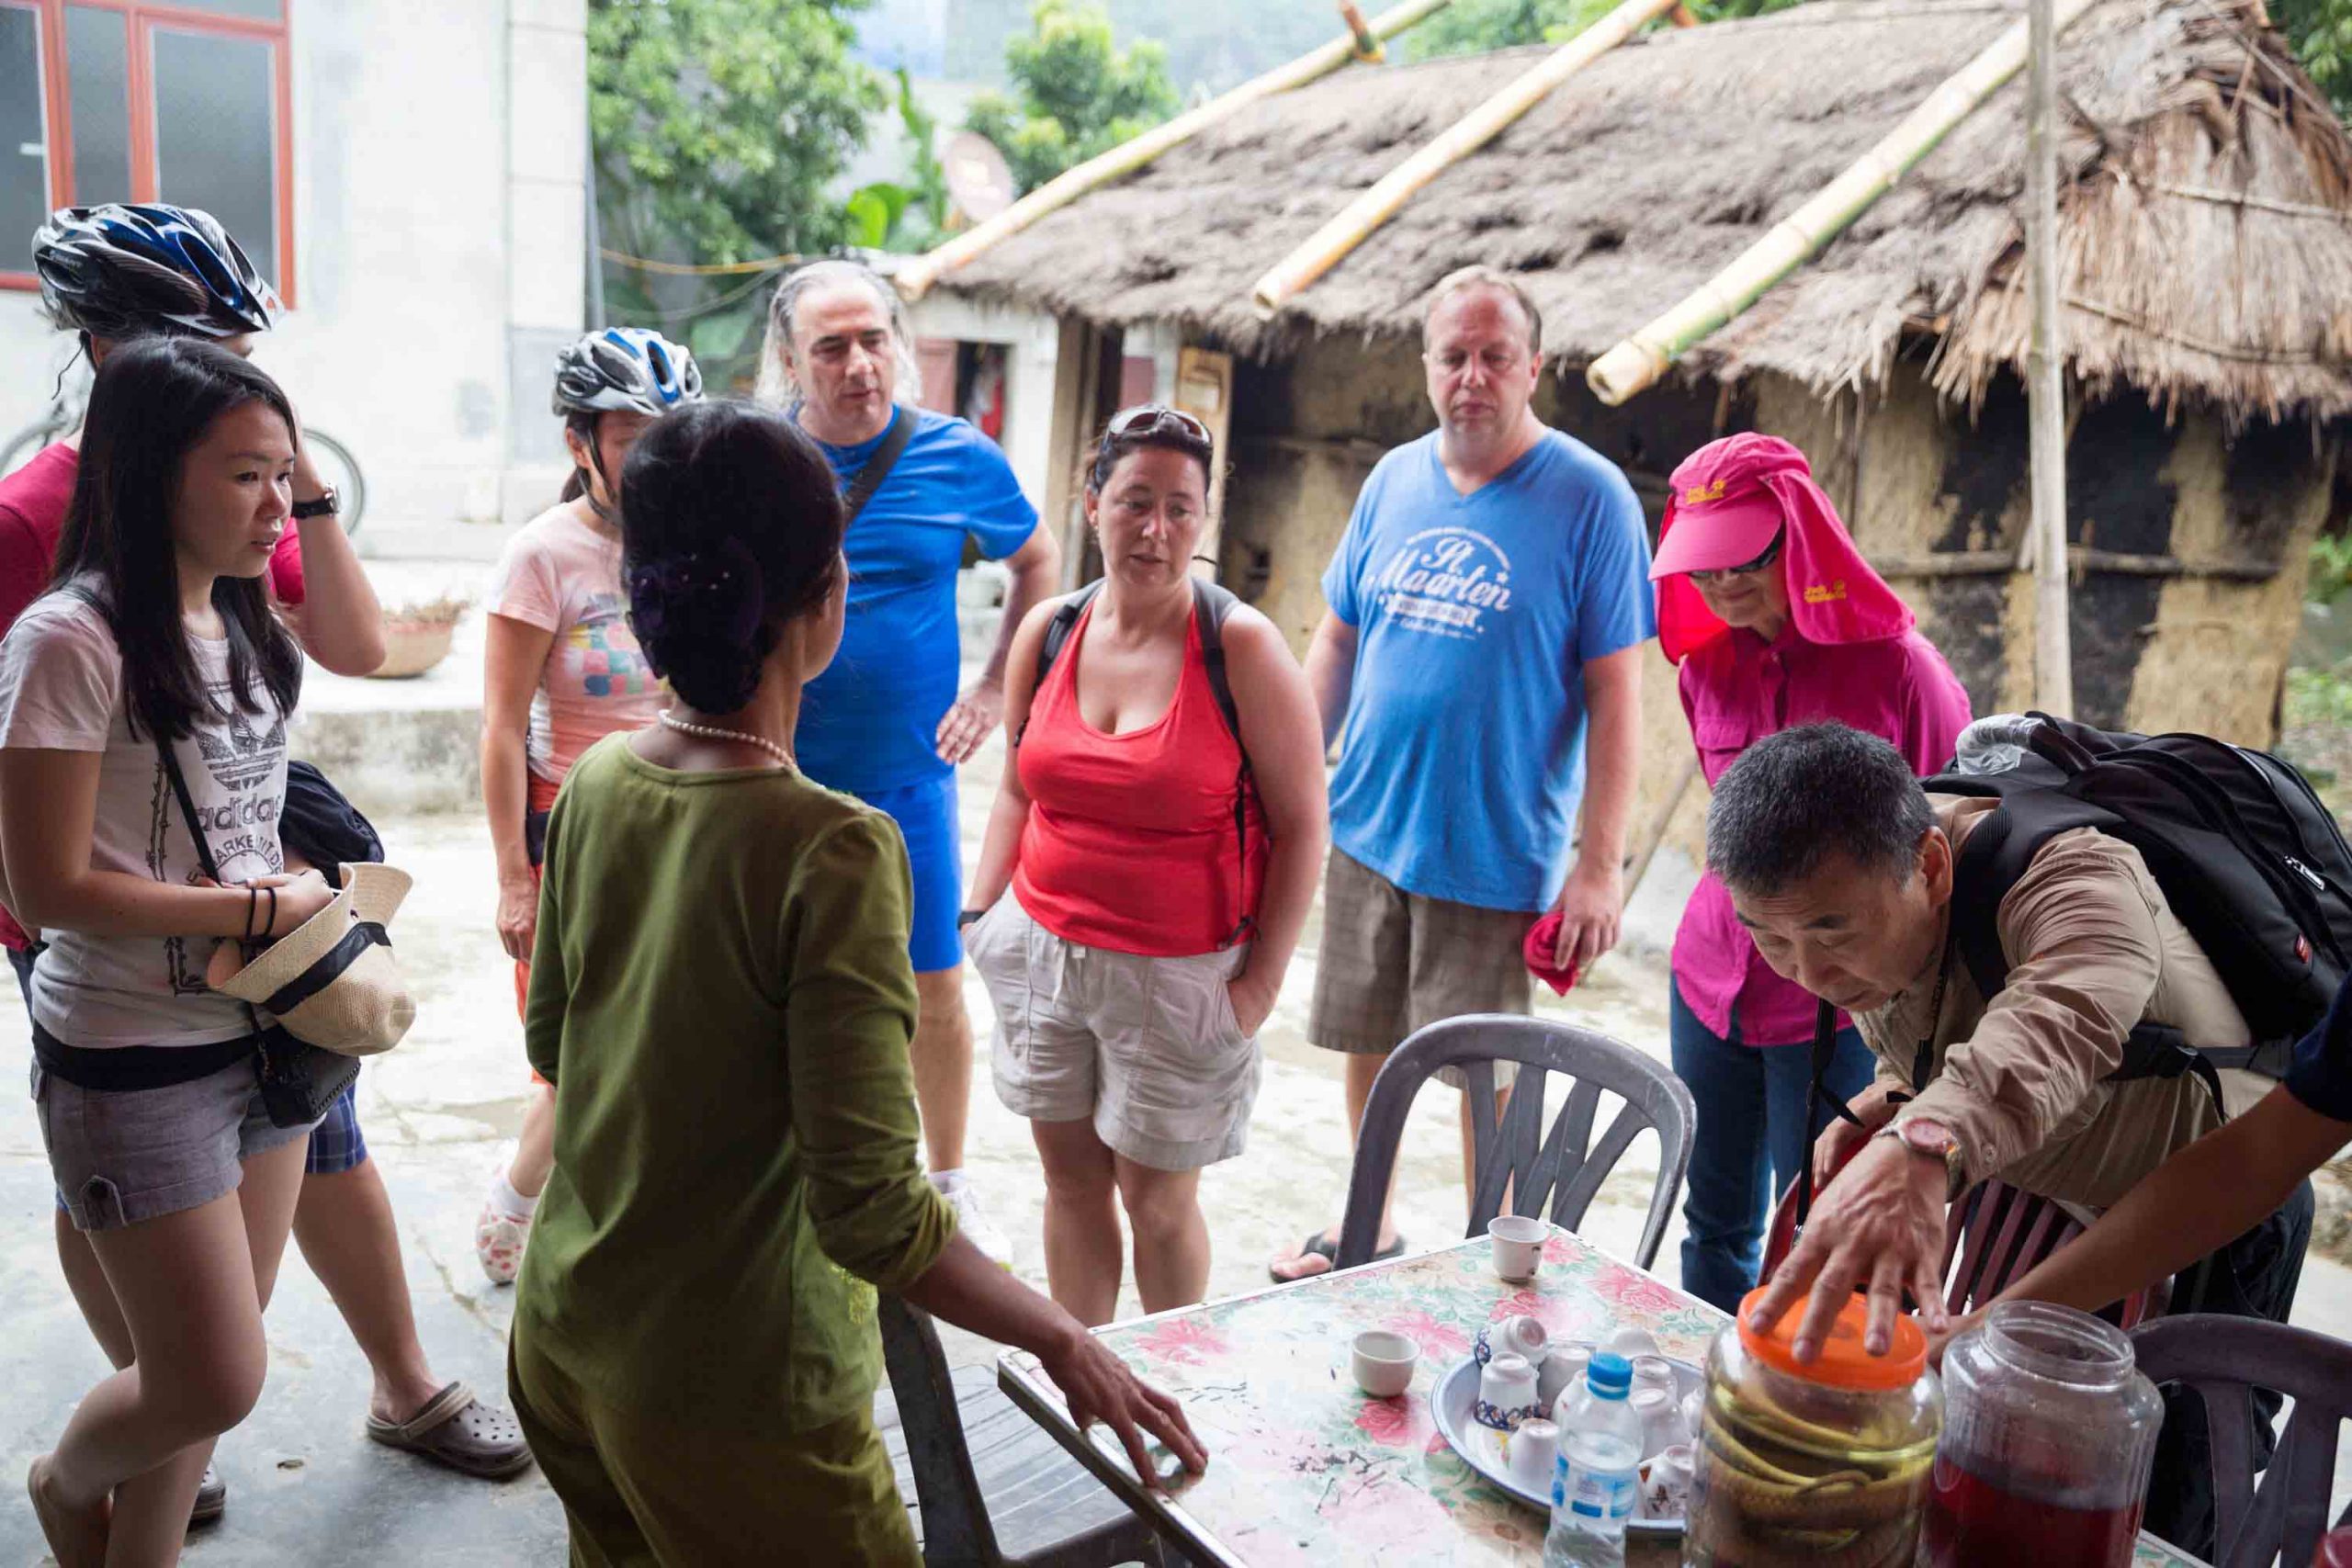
721, 996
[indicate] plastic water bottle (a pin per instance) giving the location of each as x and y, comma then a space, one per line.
1596, 1479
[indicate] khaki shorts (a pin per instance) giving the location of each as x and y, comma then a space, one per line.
1393, 962
1146, 1048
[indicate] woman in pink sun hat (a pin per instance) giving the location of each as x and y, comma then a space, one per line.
1776, 620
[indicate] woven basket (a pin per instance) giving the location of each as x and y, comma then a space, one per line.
410, 648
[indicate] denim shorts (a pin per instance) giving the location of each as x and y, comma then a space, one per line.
123, 1156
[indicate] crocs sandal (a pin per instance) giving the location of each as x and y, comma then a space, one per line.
211, 1498
1322, 1247
458, 1430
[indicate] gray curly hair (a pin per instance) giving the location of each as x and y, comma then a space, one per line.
778, 386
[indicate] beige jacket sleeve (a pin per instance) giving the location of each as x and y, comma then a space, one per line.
2085, 953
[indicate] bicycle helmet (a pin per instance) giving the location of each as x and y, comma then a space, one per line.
117, 271
625, 368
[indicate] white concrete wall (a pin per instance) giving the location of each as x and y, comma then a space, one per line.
1031, 339
438, 211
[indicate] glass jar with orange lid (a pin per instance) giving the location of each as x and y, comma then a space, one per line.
1823, 1463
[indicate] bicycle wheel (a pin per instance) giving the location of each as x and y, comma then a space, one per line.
339, 468
31, 439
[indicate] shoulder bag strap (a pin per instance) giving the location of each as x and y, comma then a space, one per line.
878, 466
171, 762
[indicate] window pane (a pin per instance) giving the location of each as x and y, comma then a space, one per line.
216, 143
266, 10
24, 148
95, 59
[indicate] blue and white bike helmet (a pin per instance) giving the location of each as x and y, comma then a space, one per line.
119, 270
625, 368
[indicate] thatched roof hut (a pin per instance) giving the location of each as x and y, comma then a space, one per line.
2207, 244
2207, 255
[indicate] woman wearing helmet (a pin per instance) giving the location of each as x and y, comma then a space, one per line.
113, 274
562, 670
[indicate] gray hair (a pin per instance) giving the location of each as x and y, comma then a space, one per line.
1794, 800
1480, 275
776, 384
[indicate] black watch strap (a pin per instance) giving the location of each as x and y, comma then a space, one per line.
327, 505
967, 916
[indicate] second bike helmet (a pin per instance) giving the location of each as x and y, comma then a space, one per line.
121, 270
625, 368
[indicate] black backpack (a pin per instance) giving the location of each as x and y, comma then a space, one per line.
1211, 605
2246, 856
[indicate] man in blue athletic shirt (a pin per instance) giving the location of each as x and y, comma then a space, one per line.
1488, 605
885, 721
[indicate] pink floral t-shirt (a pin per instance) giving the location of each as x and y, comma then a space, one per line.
563, 576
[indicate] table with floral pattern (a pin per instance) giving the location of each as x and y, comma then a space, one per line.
1305, 1468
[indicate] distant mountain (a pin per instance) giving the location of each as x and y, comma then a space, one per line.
1212, 44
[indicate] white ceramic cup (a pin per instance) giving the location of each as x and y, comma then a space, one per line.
1568, 1366
1506, 1393
1519, 1247
1383, 1362
1657, 1372
1532, 1449
1517, 1336
1666, 1484
1693, 1405
1631, 1342
1661, 1421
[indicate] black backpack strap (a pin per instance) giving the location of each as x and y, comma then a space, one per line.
1212, 602
1058, 628
878, 466
1825, 1046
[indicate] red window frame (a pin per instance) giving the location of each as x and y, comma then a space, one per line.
139, 22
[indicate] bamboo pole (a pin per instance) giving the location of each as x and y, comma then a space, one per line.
1323, 248
1641, 359
2053, 656
918, 277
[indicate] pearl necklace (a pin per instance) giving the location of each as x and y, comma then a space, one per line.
712, 732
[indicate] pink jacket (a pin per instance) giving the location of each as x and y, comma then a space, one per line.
1848, 653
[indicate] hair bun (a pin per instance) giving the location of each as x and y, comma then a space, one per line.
698, 616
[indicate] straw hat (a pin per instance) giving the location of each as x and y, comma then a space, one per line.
332, 981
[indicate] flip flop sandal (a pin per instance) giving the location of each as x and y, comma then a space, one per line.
455, 1428
211, 1498
1323, 1247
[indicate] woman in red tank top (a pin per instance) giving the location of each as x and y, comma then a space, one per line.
1159, 868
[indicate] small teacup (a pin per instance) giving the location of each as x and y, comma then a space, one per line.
1530, 1452
1517, 1336
1661, 1419
1631, 1342
1563, 1376
1383, 1362
1506, 1393
1665, 1483
1518, 1245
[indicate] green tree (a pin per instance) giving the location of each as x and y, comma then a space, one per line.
1473, 26
2321, 31
1077, 93
717, 126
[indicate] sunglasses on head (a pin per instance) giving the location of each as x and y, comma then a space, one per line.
1155, 419
1745, 569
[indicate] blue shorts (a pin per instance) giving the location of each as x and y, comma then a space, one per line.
925, 813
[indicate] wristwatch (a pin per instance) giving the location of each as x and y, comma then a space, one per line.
327, 505
1925, 1135
967, 916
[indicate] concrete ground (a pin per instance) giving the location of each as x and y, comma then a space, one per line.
306, 1486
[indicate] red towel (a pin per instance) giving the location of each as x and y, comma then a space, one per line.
1543, 938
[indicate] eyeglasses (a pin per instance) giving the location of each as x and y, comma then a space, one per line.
1155, 419
1745, 569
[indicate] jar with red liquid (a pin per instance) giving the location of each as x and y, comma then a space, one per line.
2049, 1431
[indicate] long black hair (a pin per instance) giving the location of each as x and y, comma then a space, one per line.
582, 423
730, 526
153, 401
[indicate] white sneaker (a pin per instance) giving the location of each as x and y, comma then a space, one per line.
974, 1221
498, 1237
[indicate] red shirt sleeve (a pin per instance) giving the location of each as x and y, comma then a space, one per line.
286, 567
25, 565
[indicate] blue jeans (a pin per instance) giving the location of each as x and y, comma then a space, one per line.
1752, 1138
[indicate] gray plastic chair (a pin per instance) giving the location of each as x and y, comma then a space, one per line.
1564, 1165
984, 1484
2225, 1359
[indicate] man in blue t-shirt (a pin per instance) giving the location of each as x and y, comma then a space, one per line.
1487, 602
885, 722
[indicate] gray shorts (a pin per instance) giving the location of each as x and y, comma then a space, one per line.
123, 1156
1146, 1048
